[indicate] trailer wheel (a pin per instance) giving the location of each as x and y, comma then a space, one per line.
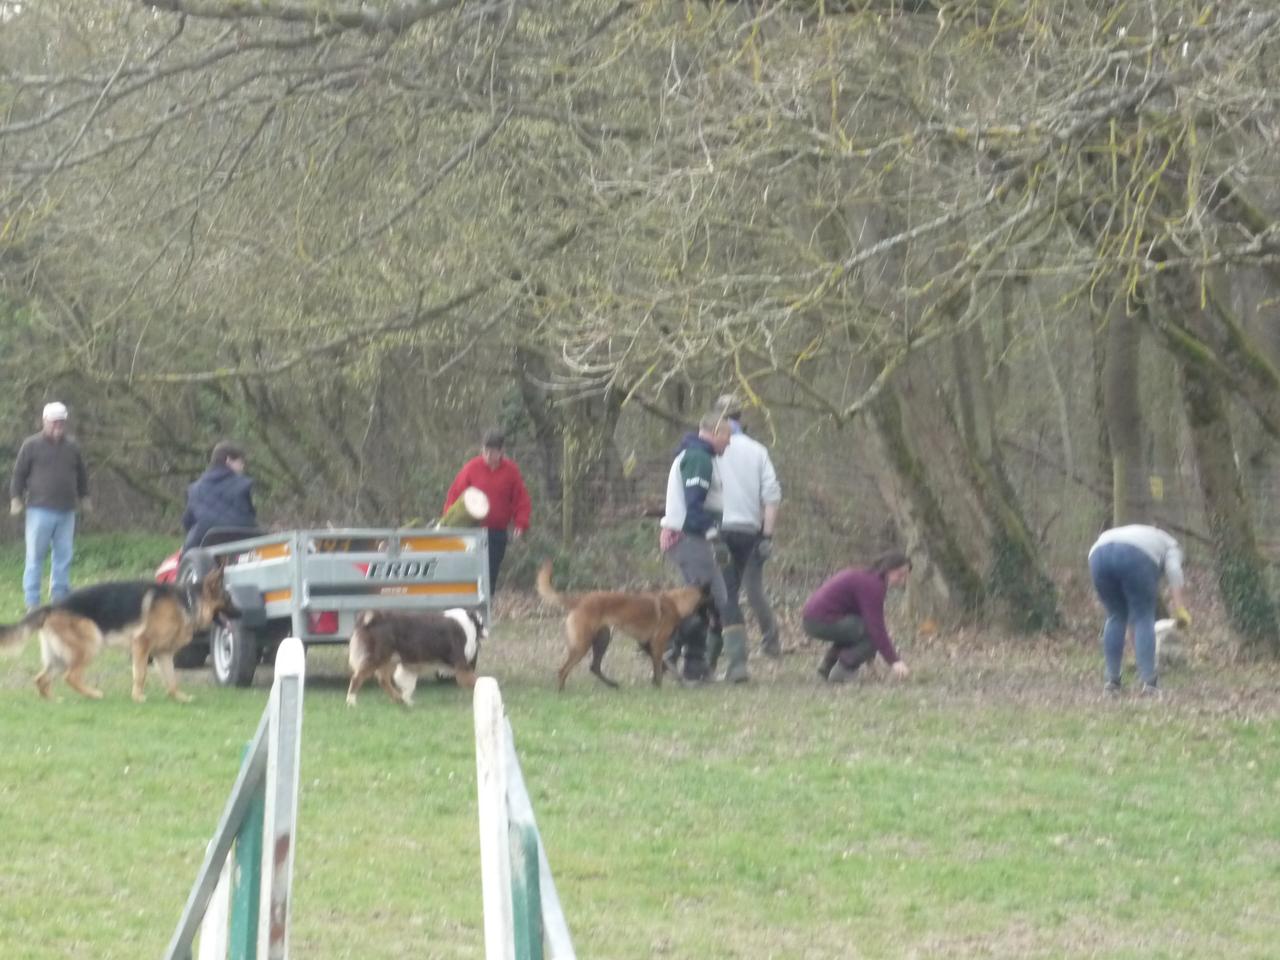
192, 569
236, 651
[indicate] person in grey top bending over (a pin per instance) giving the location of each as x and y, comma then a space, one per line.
1126, 564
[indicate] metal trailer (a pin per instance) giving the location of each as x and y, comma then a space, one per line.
311, 584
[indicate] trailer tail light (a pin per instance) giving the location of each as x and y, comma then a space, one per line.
321, 622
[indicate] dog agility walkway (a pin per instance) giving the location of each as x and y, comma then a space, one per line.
523, 919
236, 914
238, 907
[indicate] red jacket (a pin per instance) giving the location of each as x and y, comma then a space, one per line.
509, 502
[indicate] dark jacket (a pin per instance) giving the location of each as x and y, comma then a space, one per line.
697, 467
49, 474
220, 498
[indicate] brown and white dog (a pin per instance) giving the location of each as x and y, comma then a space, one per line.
155, 620
395, 647
650, 617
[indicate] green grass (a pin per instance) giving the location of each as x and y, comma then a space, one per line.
995, 806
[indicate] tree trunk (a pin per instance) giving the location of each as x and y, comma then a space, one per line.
1017, 575
1122, 403
1238, 564
923, 514
581, 470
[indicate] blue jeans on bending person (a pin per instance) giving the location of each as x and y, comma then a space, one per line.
48, 529
1127, 582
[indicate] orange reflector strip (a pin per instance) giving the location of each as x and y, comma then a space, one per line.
272, 551
430, 589
434, 544
271, 596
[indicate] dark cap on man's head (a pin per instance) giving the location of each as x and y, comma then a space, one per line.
493, 440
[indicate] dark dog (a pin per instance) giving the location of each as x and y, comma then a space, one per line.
156, 620
396, 646
650, 617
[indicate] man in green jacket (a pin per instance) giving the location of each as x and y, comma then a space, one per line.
690, 528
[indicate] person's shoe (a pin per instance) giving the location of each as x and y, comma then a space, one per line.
771, 649
841, 674
695, 672
1111, 688
1151, 689
828, 661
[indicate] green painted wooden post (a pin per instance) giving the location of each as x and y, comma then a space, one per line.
246, 887
526, 901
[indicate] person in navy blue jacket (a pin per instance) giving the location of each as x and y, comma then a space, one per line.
221, 497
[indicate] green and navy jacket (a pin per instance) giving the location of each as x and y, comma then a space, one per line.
694, 498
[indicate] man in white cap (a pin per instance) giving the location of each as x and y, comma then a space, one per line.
49, 478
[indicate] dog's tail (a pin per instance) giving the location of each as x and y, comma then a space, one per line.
14, 636
356, 649
549, 593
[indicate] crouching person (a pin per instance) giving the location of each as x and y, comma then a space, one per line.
847, 611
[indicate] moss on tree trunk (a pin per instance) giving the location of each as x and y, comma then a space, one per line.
940, 540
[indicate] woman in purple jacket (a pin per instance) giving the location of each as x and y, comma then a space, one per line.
848, 612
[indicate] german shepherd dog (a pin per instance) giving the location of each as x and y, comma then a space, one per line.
395, 647
155, 620
650, 617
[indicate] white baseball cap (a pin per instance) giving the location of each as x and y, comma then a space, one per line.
55, 411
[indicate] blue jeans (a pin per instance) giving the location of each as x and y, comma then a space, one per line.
1127, 581
45, 529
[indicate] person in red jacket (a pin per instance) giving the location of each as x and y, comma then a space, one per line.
498, 477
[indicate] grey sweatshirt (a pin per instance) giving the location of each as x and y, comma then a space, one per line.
1154, 542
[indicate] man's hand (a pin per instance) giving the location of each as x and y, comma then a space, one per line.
713, 534
517, 533
1182, 618
900, 671
764, 547
86, 505
15, 506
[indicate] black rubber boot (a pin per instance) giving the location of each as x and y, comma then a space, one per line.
828, 661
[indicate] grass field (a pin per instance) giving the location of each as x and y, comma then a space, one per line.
994, 806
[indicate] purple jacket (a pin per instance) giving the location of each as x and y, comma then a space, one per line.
859, 592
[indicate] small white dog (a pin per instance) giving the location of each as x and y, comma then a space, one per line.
1170, 651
